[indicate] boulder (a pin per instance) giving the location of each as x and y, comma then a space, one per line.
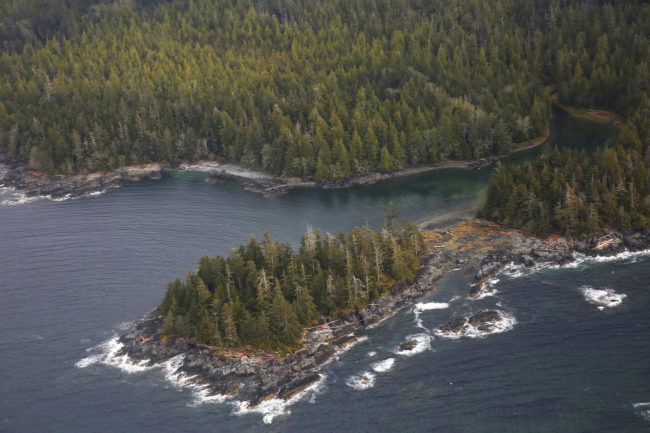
484, 320
455, 325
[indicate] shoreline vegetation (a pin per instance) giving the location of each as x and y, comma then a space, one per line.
264, 85
478, 248
33, 183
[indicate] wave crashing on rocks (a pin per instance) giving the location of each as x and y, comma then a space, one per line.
602, 298
426, 306
414, 344
107, 353
478, 325
383, 366
269, 409
361, 382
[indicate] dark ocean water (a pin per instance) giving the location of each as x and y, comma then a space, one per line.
72, 272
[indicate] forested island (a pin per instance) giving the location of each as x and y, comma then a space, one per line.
322, 89
265, 293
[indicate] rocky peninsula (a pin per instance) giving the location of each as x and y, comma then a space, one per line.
482, 250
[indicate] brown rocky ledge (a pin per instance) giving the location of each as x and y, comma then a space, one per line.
481, 249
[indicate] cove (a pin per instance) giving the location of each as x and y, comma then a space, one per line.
73, 271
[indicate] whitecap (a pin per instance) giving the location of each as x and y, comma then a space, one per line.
420, 307
372, 354
107, 353
643, 409
269, 409
487, 289
422, 343
514, 271
579, 259
426, 306
361, 382
96, 193
602, 297
383, 366
19, 198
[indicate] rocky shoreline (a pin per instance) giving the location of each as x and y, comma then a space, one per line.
30, 183
480, 249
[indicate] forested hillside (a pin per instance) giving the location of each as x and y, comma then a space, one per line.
322, 88
264, 293
576, 193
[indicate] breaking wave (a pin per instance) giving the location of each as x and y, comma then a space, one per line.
383, 366
421, 343
269, 409
17, 197
603, 298
515, 271
106, 353
643, 409
361, 382
426, 306
505, 323
487, 289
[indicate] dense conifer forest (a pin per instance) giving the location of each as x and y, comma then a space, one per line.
576, 193
304, 88
265, 293
579, 193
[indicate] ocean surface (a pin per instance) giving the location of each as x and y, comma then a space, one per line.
73, 273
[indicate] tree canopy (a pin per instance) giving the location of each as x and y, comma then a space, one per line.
304, 88
576, 193
264, 293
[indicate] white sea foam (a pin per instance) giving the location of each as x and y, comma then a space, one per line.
422, 343
383, 366
107, 353
18, 198
342, 350
603, 298
505, 323
643, 409
515, 271
96, 193
426, 306
487, 289
269, 409
372, 354
361, 382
